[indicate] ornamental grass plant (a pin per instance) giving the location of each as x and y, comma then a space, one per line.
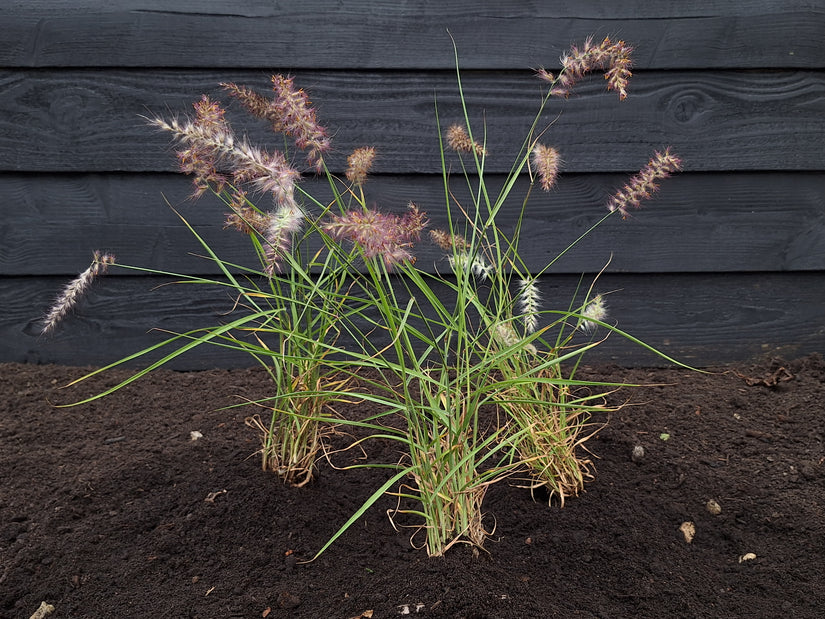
475, 372
290, 303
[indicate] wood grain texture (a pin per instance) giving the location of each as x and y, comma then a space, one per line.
409, 35
713, 222
727, 262
701, 319
76, 120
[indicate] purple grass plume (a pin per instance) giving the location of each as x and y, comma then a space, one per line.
643, 185
290, 111
211, 153
546, 162
383, 235
459, 140
281, 226
358, 165
612, 58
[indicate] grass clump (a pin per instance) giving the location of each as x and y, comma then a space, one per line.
336, 293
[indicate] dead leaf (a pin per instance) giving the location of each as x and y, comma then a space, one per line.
780, 375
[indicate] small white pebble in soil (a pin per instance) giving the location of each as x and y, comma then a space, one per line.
713, 508
748, 556
638, 453
688, 529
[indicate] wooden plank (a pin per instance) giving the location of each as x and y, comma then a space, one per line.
698, 222
700, 319
79, 121
389, 35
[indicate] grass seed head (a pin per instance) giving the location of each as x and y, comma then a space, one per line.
75, 290
459, 140
595, 310
642, 186
358, 165
546, 162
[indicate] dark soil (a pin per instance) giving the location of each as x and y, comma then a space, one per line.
112, 510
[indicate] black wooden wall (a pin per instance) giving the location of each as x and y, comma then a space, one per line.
727, 263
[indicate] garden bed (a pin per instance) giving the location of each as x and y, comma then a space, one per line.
112, 509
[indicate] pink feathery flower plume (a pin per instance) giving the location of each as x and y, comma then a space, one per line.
644, 185
384, 235
358, 165
299, 121
199, 137
75, 290
459, 140
278, 230
243, 217
612, 58
546, 162
210, 150
291, 113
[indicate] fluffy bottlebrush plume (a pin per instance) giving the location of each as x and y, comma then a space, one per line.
256, 104
210, 150
447, 241
358, 165
459, 140
298, 120
612, 58
385, 235
644, 185
506, 336
528, 304
290, 112
460, 257
546, 162
279, 229
595, 310
244, 217
246, 220
75, 290
267, 172
462, 260
199, 157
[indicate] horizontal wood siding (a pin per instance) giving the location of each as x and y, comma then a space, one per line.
714, 222
70, 120
701, 319
707, 34
726, 263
